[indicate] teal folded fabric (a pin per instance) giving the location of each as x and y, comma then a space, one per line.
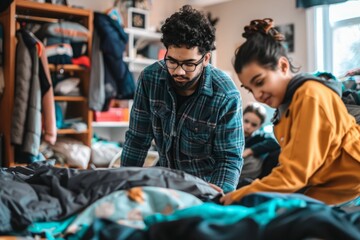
224, 215
51, 230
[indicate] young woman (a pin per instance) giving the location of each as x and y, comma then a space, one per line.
258, 144
319, 140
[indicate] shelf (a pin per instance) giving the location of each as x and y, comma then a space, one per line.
71, 131
138, 64
36, 19
143, 33
70, 98
49, 10
110, 124
67, 67
140, 61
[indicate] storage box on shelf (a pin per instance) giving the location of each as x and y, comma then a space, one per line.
112, 124
42, 12
112, 115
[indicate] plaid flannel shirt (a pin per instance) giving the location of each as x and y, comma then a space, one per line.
203, 138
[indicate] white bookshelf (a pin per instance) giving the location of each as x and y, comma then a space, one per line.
110, 124
137, 64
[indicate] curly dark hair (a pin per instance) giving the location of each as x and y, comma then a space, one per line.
189, 27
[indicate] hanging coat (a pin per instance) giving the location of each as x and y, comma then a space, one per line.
119, 82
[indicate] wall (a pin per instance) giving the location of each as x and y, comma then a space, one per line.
159, 10
234, 15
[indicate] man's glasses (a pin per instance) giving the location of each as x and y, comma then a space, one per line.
186, 66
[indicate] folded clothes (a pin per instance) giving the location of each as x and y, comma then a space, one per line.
82, 61
67, 86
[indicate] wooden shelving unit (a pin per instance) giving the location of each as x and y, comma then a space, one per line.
70, 98
68, 67
45, 12
71, 131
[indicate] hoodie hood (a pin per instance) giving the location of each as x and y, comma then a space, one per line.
294, 84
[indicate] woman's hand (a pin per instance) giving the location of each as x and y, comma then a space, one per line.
227, 199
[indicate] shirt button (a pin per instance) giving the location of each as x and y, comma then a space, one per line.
281, 139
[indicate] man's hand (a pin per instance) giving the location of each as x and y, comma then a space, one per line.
218, 189
247, 152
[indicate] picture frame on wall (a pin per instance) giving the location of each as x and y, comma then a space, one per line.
288, 30
58, 2
138, 18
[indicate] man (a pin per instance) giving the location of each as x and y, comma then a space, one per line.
191, 109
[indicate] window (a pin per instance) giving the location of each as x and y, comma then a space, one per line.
335, 37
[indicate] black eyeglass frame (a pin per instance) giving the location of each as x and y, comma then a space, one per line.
182, 63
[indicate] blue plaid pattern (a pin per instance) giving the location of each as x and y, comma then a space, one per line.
203, 138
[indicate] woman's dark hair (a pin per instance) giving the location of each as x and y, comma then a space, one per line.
190, 28
258, 109
263, 45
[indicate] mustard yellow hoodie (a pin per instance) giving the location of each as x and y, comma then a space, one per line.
320, 145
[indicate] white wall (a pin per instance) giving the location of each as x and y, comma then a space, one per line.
234, 15
159, 10
91, 4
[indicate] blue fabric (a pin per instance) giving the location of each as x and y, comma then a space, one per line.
261, 143
223, 215
59, 116
24, 157
52, 230
60, 59
119, 81
352, 203
255, 199
204, 137
119, 208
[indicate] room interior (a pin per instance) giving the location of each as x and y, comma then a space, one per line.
116, 200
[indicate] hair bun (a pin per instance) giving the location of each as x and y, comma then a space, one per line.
264, 26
